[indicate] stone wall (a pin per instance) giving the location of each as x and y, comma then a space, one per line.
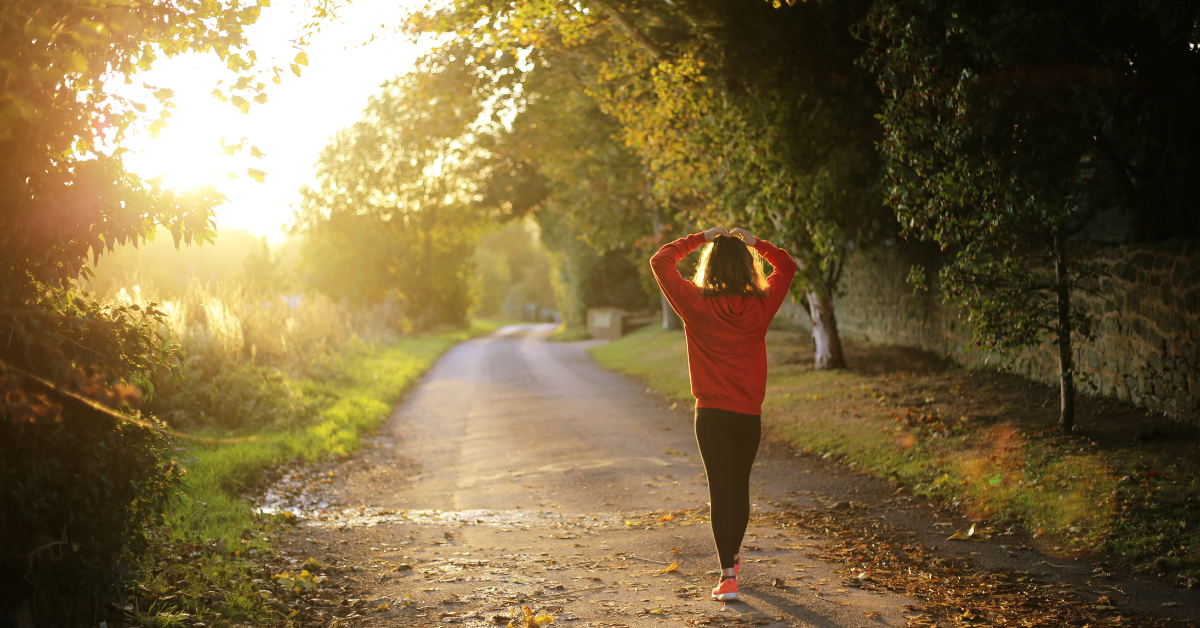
1145, 303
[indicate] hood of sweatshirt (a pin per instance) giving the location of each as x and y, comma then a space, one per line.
740, 312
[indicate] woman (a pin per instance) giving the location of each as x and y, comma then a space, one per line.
726, 310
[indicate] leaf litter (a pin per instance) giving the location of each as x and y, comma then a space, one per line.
876, 557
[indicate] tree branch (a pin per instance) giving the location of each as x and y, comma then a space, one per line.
116, 414
632, 30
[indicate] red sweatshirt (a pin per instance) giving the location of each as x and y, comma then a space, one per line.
726, 336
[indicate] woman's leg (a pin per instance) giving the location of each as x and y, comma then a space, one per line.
728, 444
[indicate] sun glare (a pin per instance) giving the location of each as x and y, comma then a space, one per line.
186, 156
289, 130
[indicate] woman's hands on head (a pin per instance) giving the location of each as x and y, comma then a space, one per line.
746, 236
739, 232
712, 234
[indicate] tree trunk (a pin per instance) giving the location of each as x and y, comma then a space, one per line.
671, 320
825, 331
1066, 367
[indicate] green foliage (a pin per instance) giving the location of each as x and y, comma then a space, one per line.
735, 131
234, 398
715, 121
68, 195
584, 278
1010, 125
511, 270
392, 214
650, 120
598, 217
74, 495
77, 488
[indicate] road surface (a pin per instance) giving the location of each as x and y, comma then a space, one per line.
519, 474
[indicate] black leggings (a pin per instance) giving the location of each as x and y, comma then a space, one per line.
728, 443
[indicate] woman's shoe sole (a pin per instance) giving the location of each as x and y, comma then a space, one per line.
726, 597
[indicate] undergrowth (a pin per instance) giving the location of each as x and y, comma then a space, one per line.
959, 437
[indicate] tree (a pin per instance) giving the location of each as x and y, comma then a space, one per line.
542, 145
1010, 124
77, 466
393, 213
726, 125
737, 131
598, 215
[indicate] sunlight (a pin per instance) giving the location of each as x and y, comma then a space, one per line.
300, 116
185, 156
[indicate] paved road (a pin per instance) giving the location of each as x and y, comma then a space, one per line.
519, 473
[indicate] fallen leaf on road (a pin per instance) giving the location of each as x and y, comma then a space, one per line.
528, 619
673, 567
971, 535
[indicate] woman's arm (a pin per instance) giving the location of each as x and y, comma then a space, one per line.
677, 289
781, 277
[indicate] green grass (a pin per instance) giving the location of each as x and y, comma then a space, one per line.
568, 334
211, 508
655, 355
974, 450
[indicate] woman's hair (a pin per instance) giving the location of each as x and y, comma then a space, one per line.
728, 267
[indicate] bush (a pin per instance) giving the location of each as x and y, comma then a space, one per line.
247, 351
232, 398
75, 495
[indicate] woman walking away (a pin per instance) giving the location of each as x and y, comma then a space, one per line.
726, 310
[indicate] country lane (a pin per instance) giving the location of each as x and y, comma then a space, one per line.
518, 473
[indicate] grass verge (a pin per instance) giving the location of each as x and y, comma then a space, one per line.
1125, 484
205, 566
568, 334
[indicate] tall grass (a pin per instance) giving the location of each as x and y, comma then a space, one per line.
254, 359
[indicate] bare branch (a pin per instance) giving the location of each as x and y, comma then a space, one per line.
117, 414
632, 30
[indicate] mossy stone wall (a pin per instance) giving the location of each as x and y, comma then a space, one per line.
1144, 299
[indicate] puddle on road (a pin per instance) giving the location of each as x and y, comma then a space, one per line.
519, 518
299, 492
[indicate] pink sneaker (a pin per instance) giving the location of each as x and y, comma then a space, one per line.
726, 591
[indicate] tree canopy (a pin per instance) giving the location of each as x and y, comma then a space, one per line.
1011, 125
721, 112
65, 195
395, 211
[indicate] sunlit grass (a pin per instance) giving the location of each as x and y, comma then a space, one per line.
656, 355
568, 334
1068, 494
